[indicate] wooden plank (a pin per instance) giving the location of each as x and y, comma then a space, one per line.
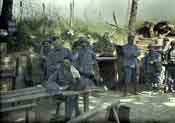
16, 108
23, 92
40, 89
33, 96
106, 58
86, 102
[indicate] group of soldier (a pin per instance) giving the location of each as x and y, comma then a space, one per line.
157, 67
69, 70
77, 69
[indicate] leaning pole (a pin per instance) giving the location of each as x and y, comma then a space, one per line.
133, 15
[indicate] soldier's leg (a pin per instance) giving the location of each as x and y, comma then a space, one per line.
157, 79
69, 107
134, 80
77, 110
173, 77
127, 79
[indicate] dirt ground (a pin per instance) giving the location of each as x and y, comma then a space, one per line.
145, 107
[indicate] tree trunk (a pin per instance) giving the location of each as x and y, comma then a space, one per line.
6, 13
133, 15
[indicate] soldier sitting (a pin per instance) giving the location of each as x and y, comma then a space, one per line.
64, 79
152, 66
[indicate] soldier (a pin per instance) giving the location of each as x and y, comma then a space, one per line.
130, 63
87, 64
56, 56
44, 51
164, 50
171, 67
152, 66
64, 79
33, 73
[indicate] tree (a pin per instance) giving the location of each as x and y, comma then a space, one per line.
133, 15
6, 13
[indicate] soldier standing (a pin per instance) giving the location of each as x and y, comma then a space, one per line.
130, 63
152, 66
63, 79
164, 51
87, 64
171, 67
56, 56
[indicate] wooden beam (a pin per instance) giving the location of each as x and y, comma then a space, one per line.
133, 15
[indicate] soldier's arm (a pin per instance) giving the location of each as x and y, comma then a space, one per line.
96, 69
51, 84
158, 58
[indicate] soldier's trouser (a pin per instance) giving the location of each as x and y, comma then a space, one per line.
171, 75
71, 106
130, 76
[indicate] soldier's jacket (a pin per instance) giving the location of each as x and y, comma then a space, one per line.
85, 61
33, 70
152, 62
130, 54
55, 57
171, 56
61, 79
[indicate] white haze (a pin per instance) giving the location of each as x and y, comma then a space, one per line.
99, 10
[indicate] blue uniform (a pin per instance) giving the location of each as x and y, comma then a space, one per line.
85, 60
62, 79
55, 57
171, 68
130, 64
152, 66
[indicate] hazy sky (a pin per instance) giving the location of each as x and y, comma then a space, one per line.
102, 9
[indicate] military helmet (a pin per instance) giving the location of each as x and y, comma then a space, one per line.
150, 45
83, 41
172, 43
166, 39
131, 34
52, 39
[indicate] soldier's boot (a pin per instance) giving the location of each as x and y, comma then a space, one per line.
56, 117
135, 89
125, 90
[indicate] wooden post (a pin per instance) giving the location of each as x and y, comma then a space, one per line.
133, 15
6, 13
86, 102
21, 10
7, 9
72, 4
27, 116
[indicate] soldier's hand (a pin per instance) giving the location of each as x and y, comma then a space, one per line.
64, 87
151, 62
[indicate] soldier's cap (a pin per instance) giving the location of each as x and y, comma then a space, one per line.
52, 39
172, 43
166, 39
83, 40
75, 44
131, 34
